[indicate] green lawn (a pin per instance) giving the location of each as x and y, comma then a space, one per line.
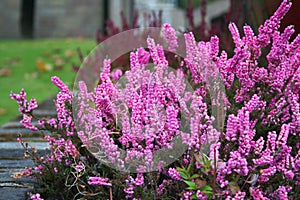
29, 64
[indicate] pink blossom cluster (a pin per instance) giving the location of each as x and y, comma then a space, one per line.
63, 151
148, 108
170, 36
257, 153
131, 183
99, 181
36, 196
25, 109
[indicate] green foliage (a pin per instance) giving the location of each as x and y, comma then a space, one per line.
20, 57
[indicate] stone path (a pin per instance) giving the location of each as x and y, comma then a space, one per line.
12, 154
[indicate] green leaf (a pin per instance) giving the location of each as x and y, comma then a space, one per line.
191, 188
208, 192
205, 158
208, 163
194, 176
191, 184
206, 188
183, 175
181, 170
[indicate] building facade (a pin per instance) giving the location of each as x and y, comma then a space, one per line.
81, 18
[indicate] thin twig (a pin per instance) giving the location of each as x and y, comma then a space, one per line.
215, 169
110, 194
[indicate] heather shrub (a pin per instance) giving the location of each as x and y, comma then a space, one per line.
254, 154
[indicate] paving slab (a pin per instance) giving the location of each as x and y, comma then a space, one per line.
11, 193
15, 154
16, 145
6, 179
13, 164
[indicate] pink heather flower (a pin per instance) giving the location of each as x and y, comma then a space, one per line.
235, 35
239, 196
134, 62
52, 122
36, 196
172, 121
25, 108
143, 56
157, 53
20, 98
238, 164
200, 195
26, 122
214, 47
257, 194
187, 195
63, 114
174, 174
38, 168
192, 59
268, 172
32, 105
289, 174
129, 190
28, 171
283, 136
138, 181
79, 167
214, 151
60, 84
170, 36
41, 123
162, 187
98, 181
104, 76
68, 162
282, 192
116, 74
259, 145
232, 125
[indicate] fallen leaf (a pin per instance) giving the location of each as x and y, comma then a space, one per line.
69, 53
43, 66
58, 60
49, 67
5, 71
3, 111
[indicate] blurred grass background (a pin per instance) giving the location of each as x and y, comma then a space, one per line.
30, 64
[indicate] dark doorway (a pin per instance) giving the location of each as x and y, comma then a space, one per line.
27, 18
105, 15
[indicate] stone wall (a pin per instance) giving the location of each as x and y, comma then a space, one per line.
10, 18
72, 18
53, 18
81, 18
